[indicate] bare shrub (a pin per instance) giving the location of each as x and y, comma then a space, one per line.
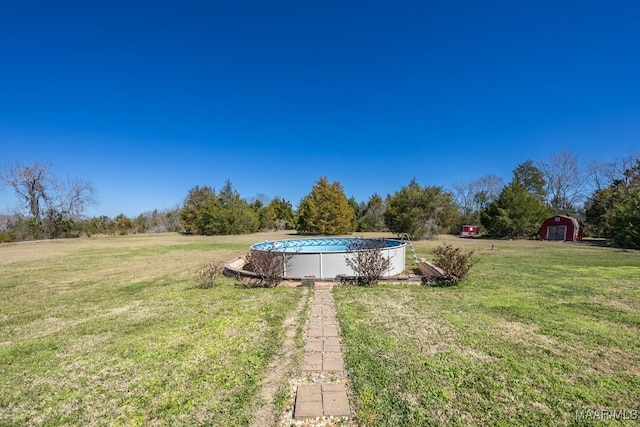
454, 261
366, 259
268, 264
208, 274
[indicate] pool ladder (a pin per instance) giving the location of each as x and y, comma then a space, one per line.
406, 237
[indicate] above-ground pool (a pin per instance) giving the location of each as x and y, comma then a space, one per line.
325, 258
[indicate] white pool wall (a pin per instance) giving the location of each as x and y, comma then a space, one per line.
325, 258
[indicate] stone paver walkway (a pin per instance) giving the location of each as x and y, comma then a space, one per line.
327, 394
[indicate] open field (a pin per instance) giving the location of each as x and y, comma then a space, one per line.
112, 331
539, 333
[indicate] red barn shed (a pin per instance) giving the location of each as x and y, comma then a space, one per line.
468, 230
561, 227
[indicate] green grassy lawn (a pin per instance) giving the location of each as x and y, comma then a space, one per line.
112, 331
537, 332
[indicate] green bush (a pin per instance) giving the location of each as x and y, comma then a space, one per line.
455, 262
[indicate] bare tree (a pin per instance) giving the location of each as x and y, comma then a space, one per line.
602, 174
31, 183
476, 195
75, 197
47, 199
565, 182
487, 189
464, 194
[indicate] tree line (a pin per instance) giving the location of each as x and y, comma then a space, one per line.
20, 227
605, 197
54, 208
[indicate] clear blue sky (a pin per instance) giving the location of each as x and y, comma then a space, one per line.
147, 99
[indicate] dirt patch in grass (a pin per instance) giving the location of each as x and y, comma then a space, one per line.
526, 334
402, 319
619, 303
279, 369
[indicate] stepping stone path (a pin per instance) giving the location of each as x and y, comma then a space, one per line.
326, 394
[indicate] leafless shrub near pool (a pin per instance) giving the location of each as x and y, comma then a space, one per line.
268, 264
367, 260
208, 274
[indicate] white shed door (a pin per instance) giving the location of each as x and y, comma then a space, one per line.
557, 232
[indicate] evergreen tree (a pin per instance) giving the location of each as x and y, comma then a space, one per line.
516, 213
531, 178
520, 208
624, 225
99, 225
123, 224
230, 214
420, 211
262, 214
599, 208
371, 217
193, 212
325, 210
280, 214
205, 212
356, 209
614, 212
